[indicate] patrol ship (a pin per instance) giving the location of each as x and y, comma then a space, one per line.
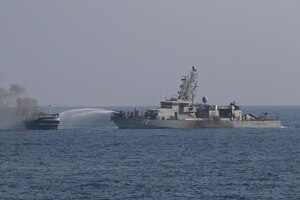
181, 113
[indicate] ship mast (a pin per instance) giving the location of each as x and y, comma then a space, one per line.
188, 86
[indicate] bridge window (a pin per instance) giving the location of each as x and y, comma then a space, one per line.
225, 113
166, 104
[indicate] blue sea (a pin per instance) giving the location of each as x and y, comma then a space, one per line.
89, 158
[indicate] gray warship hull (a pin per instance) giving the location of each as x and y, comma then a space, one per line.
131, 123
181, 113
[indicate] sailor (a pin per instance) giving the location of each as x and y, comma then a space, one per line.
233, 117
128, 114
136, 112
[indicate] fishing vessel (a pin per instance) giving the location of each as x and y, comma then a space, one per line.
182, 113
42, 121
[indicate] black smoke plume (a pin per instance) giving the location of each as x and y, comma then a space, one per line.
14, 106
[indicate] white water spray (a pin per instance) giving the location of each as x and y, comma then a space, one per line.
83, 117
83, 111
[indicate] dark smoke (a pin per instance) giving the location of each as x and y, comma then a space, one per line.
27, 105
8, 98
14, 106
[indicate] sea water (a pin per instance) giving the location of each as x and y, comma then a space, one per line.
89, 158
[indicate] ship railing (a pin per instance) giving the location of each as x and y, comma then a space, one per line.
265, 117
133, 115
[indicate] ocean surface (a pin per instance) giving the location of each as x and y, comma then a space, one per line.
89, 158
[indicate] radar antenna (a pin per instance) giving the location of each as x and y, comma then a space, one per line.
188, 86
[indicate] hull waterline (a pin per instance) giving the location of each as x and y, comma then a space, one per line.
128, 123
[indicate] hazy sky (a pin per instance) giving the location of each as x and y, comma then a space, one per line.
133, 52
